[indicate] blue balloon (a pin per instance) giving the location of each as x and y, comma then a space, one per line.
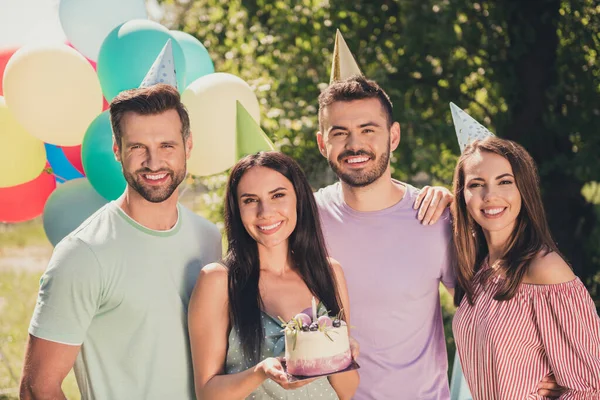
128, 52
68, 206
197, 60
61, 167
102, 170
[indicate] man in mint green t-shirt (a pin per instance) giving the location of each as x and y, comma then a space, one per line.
113, 302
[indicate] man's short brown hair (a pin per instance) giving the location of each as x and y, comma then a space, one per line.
354, 88
147, 101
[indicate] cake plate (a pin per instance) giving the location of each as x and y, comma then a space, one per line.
297, 378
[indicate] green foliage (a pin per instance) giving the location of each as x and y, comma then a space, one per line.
448, 310
528, 70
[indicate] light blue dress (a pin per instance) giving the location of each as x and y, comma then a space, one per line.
273, 346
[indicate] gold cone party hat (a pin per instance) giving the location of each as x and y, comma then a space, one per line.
344, 65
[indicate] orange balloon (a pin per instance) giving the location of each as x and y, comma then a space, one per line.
26, 201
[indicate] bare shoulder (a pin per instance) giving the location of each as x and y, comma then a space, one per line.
336, 266
212, 284
549, 269
215, 268
209, 300
213, 274
338, 275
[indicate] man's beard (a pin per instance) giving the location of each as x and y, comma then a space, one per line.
360, 178
155, 194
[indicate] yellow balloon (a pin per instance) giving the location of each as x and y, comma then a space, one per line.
53, 91
211, 101
22, 156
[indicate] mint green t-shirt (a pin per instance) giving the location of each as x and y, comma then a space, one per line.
121, 291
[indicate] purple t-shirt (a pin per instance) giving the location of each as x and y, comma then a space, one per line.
393, 267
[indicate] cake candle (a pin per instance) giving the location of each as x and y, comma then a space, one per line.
314, 309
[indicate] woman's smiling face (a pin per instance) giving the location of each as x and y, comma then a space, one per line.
491, 194
267, 202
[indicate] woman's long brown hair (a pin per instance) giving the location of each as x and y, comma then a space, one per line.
530, 235
306, 245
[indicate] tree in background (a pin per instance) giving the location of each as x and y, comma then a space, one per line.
526, 69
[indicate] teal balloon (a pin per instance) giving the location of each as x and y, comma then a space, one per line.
128, 52
68, 206
197, 60
103, 171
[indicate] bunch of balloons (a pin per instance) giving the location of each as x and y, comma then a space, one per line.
56, 154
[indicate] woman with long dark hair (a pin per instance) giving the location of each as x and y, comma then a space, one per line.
276, 262
523, 314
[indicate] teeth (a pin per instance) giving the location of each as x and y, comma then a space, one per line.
155, 177
357, 160
493, 211
266, 228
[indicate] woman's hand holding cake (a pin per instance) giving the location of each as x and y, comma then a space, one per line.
272, 368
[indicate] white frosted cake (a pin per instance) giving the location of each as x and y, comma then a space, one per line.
316, 347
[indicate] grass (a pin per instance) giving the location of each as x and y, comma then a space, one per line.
24, 234
18, 292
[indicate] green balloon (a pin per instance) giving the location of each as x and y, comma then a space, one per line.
101, 168
68, 206
197, 60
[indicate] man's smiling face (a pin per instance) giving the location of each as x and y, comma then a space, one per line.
357, 139
153, 154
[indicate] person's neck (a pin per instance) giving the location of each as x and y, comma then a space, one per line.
379, 195
156, 216
496, 243
275, 260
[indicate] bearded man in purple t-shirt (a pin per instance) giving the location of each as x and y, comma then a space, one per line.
393, 261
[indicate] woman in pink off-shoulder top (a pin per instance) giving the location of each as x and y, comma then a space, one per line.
523, 314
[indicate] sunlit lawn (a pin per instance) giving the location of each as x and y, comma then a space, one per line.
18, 291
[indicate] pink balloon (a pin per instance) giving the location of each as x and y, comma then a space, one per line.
90, 61
73, 154
5, 55
26, 201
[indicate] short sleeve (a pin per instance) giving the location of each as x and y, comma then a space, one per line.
69, 294
447, 273
570, 331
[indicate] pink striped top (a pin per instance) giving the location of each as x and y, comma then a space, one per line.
507, 347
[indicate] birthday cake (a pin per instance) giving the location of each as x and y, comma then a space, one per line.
316, 347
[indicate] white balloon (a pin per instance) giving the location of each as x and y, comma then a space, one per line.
211, 103
87, 22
